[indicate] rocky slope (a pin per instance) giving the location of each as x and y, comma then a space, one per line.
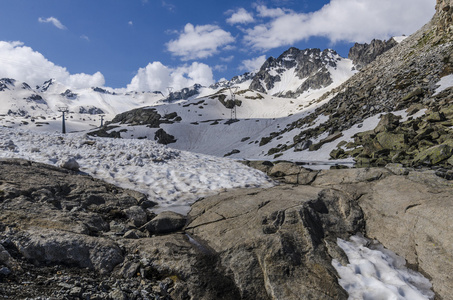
404, 80
66, 235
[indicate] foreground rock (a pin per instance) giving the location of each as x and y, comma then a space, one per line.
67, 235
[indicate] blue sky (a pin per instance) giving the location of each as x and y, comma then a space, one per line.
152, 44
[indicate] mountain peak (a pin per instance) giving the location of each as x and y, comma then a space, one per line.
296, 71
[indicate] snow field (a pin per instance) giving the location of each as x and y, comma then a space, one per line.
444, 83
375, 273
172, 178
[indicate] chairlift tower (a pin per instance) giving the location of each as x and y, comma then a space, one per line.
233, 91
63, 110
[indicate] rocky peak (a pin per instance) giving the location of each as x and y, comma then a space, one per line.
308, 64
234, 81
4, 82
444, 15
46, 85
363, 54
184, 93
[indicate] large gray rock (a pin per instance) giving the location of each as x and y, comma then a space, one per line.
276, 242
48, 247
411, 215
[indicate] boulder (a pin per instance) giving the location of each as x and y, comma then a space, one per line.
47, 247
392, 141
433, 155
275, 242
136, 215
165, 222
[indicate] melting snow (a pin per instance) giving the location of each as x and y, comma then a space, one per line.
172, 178
377, 273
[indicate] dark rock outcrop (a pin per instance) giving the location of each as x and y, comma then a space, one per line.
363, 54
183, 94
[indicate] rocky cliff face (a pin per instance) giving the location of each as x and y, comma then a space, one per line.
363, 54
444, 16
309, 66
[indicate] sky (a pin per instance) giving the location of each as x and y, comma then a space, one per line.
150, 45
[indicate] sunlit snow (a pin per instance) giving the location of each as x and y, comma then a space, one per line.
172, 178
444, 83
375, 273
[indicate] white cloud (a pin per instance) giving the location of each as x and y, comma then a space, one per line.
241, 16
157, 77
23, 64
220, 68
227, 59
84, 37
253, 64
340, 20
201, 41
54, 21
264, 11
130, 23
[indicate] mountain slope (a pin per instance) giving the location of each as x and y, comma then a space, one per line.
38, 108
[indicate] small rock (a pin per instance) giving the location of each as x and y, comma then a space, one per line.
5, 271
165, 222
70, 164
136, 215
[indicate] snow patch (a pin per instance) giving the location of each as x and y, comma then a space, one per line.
375, 273
172, 178
444, 83
399, 39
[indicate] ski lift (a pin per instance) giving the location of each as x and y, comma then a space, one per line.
63, 110
233, 90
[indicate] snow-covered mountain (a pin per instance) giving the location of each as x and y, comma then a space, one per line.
245, 117
296, 72
38, 107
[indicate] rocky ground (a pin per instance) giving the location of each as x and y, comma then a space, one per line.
65, 235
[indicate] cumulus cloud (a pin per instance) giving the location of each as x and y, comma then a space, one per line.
157, 77
340, 20
23, 64
253, 64
198, 42
54, 21
240, 16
